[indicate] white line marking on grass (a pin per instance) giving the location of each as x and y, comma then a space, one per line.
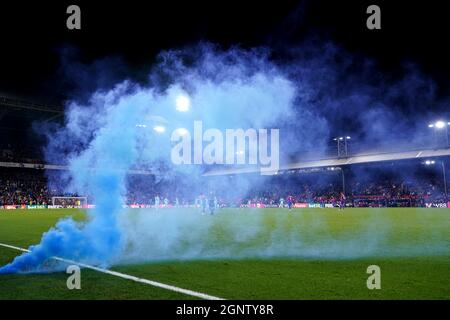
128, 277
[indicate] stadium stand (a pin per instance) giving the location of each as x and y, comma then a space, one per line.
378, 186
366, 179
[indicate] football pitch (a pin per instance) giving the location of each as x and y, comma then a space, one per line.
410, 245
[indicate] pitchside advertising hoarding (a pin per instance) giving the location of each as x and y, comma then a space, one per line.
147, 206
313, 205
39, 206
437, 205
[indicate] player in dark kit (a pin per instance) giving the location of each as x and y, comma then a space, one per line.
290, 202
342, 201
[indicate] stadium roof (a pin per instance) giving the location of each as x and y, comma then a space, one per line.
14, 111
301, 165
335, 162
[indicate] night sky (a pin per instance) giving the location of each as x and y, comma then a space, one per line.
37, 46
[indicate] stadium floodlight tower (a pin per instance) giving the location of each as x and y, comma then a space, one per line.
342, 146
440, 126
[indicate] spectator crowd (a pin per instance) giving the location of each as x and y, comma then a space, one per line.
30, 187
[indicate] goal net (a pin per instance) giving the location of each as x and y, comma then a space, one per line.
69, 202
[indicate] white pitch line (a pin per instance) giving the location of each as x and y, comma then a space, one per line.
128, 277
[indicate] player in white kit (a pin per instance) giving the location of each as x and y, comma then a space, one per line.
157, 202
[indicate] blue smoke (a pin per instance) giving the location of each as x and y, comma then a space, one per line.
100, 170
104, 139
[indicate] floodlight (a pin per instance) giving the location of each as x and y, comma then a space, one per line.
183, 103
182, 131
440, 124
159, 129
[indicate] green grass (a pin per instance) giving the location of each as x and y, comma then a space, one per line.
412, 248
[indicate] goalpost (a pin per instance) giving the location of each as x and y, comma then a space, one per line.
69, 202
